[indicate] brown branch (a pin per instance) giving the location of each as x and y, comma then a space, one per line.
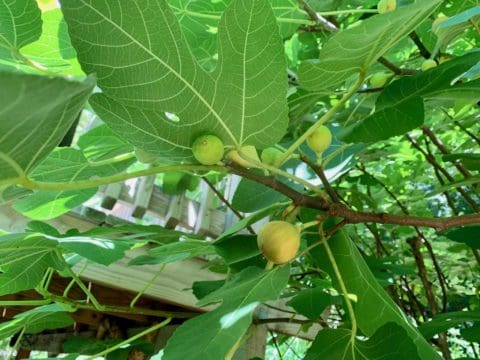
421, 47
414, 243
438, 270
396, 70
428, 132
319, 171
468, 132
352, 216
227, 203
431, 159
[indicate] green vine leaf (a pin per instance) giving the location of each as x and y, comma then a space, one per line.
224, 326
29, 133
355, 49
159, 98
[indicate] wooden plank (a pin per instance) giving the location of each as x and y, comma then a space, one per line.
172, 286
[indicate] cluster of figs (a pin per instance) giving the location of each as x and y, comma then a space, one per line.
278, 241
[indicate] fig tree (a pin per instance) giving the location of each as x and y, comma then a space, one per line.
208, 149
249, 152
279, 241
271, 155
320, 139
378, 79
385, 6
428, 64
144, 156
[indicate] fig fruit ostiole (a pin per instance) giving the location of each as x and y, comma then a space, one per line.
208, 149
279, 241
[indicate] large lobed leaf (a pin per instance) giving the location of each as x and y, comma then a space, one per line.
353, 50
373, 308
35, 114
211, 336
157, 96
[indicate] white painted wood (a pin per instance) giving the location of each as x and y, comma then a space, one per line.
172, 286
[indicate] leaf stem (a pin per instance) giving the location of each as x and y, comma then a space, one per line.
17, 343
80, 284
129, 340
147, 285
348, 11
342, 287
353, 89
85, 184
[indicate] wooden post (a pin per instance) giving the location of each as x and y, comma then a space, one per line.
202, 225
175, 211
143, 193
111, 195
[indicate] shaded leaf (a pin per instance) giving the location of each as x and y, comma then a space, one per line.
222, 327
175, 252
311, 302
442, 322
37, 111
20, 23
389, 342
24, 258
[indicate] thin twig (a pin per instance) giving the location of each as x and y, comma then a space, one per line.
396, 70
421, 47
227, 203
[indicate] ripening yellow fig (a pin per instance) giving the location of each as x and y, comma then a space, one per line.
385, 6
208, 149
428, 64
378, 79
247, 151
279, 241
320, 139
144, 156
270, 156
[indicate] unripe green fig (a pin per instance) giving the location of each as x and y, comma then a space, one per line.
271, 156
428, 64
385, 6
144, 156
378, 79
249, 152
320, 139
208, 149
279, 241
